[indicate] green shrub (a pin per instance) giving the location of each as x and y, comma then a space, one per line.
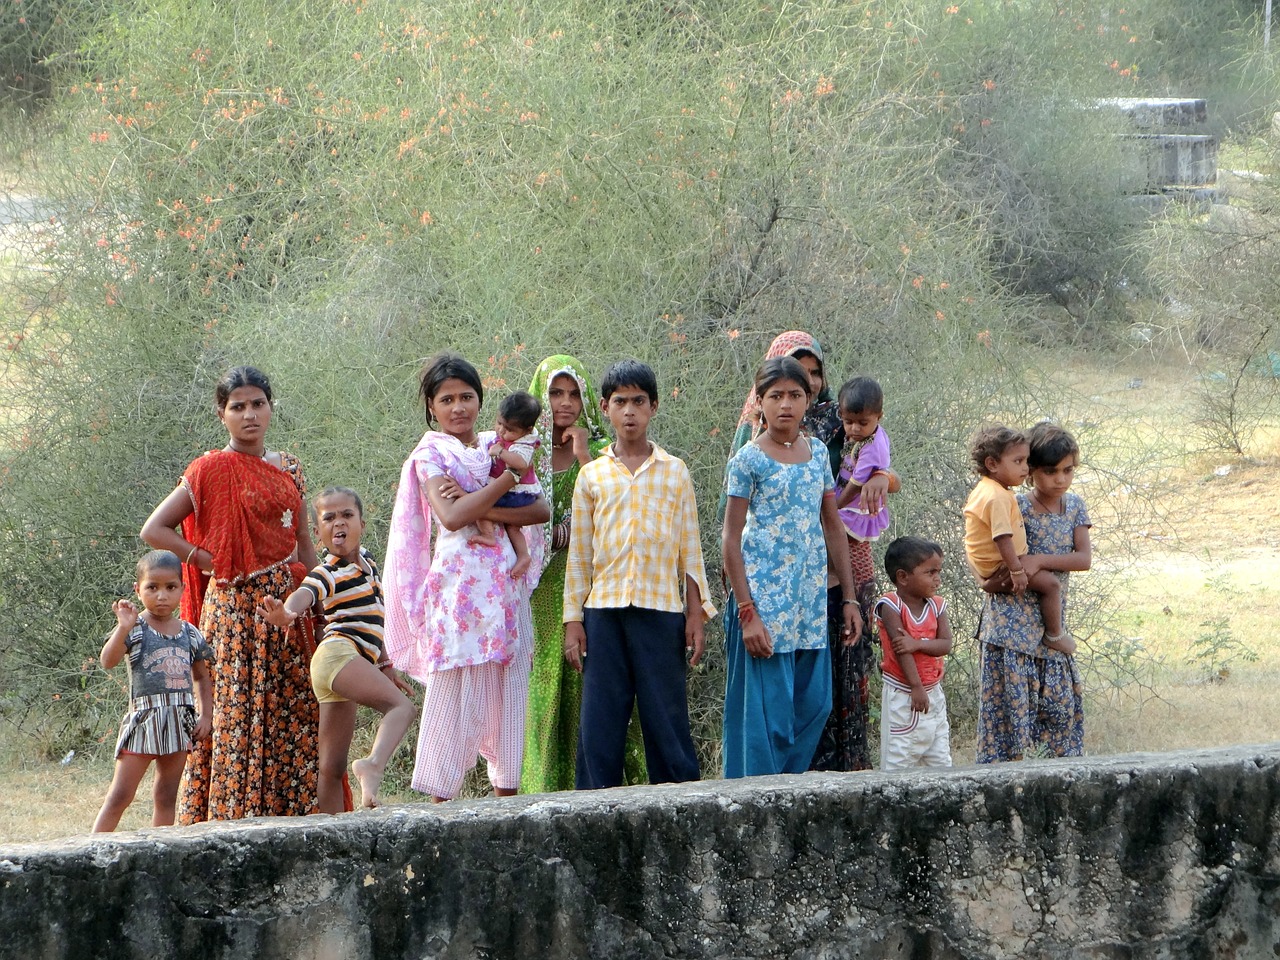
336, 194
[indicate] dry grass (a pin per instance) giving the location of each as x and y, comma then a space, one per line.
1202, 562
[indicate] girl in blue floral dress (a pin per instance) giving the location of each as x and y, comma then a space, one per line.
1032, 697
780, 527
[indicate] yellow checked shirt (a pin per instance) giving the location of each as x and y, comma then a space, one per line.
635, 537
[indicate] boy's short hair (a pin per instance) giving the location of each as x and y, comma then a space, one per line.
520, 409
159, 560
1050, 445
861, 395
333, 492
907, 553
629, 373
992, 441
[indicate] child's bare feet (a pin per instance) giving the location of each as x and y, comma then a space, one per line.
521, 567
1063, 642
369, 776
480, 540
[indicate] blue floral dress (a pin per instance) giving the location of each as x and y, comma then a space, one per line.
776, 707
1032, 697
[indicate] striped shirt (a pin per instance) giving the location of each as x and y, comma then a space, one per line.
635, 537
351, 594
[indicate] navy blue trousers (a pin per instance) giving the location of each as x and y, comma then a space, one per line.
634, 657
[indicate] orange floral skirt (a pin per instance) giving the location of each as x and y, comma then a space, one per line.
263, 756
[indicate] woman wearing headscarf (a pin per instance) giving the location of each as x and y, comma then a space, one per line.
573, 420
844, 741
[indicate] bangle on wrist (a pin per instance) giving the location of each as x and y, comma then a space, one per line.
848, 602
194, 548
1018, 571
515, 474
743, 604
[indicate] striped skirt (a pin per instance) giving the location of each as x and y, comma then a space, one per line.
158, 724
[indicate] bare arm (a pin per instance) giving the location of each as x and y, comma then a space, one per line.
755, 635
529, 515
457, 513
838, 556
283, 614
203, 683
897, 635
694, 642
113, 650
1018, 575
160, 531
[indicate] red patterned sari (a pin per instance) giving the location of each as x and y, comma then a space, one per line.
262, 757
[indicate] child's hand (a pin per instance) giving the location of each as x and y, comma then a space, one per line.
755, 635
204, 727
575, 644
694, 642
126, 613
919, 700
904, 644
273, 611
874, 492
514, 461
1018, 579
852, 630
398, 679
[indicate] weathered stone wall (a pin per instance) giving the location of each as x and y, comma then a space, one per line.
1166, 856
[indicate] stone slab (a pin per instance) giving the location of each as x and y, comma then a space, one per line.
1143, 856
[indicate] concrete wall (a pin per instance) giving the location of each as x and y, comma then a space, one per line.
1172, 855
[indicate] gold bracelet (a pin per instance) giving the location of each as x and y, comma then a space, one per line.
194, 548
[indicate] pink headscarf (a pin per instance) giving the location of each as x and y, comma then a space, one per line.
786, 344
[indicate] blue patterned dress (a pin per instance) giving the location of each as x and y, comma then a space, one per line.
1032, 697
776, 707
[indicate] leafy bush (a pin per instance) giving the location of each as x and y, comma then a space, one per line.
337, 194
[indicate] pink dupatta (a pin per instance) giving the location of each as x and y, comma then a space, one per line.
404, 575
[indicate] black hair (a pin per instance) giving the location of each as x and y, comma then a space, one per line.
238, 377
861, 395
629, 373
159, 560
907, 553
520, 409
992, 441
447, 366
334, 492
1050, 445
777, 369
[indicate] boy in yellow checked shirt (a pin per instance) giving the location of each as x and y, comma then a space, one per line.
635, 547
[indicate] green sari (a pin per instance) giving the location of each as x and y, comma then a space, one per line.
555, 688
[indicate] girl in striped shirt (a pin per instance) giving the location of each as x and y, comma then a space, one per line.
350, 666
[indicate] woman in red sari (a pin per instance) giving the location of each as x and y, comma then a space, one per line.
244, 537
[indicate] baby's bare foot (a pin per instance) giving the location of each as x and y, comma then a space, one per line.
521, 567
369, 776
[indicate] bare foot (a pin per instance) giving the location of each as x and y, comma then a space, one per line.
480, 540
521, 567
1064, 642
369, 776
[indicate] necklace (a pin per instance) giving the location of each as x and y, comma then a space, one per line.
264, 455
1043, 506
781, 443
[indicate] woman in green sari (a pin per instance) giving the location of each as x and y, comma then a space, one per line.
572, 430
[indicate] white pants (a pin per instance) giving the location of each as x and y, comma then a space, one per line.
908, 738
